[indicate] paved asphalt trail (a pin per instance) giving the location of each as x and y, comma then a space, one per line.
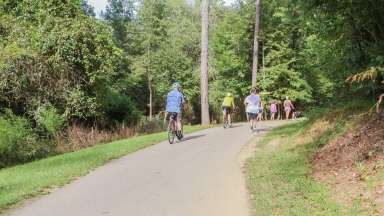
200, 176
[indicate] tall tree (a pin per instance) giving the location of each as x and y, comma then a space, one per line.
204, 62
153, 16
256, 43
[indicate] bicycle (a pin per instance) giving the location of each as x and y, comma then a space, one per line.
172, 132
225, 121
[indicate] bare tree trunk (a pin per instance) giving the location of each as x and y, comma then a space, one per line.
256, 43
204, 62
149, 83
150, 97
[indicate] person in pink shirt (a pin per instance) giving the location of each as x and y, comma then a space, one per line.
273, 109
288, 107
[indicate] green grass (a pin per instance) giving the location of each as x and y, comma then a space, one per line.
279, 175
25, 181
278, 178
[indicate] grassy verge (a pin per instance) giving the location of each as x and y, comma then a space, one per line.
278, 176
25, 181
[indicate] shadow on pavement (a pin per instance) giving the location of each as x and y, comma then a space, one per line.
235, 125
192, 137
263, 129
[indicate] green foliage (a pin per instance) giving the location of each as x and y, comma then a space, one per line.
280, 81
18, 142
81, 106
48, 119
101, 72
59, 56
120, 108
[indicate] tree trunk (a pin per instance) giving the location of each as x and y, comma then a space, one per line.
256, 43
204, 63
149, 82
150, 97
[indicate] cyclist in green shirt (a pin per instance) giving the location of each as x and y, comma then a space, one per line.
228, 107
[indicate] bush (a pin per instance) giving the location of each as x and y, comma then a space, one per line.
49, 120
119, 108
18, 142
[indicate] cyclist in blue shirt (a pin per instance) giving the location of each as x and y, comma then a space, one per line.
175, 102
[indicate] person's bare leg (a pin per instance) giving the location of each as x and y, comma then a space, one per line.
178, 122
229, 119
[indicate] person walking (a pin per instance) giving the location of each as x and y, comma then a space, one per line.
252, 104
273, 109
288, 107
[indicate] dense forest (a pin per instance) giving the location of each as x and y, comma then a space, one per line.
61, 66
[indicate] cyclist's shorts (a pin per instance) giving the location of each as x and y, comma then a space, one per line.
227, 110
173, 115
252, 115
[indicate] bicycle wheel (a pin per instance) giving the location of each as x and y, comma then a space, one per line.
180, 135
225, 123
171, 132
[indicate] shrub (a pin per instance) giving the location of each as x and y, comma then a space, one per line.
119, 108
49, 120
18, 142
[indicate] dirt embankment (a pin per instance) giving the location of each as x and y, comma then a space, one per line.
353, 165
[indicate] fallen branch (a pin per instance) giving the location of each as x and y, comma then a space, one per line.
379, 102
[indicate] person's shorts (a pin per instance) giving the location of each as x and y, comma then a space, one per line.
227, 110
252, 115
173, 115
